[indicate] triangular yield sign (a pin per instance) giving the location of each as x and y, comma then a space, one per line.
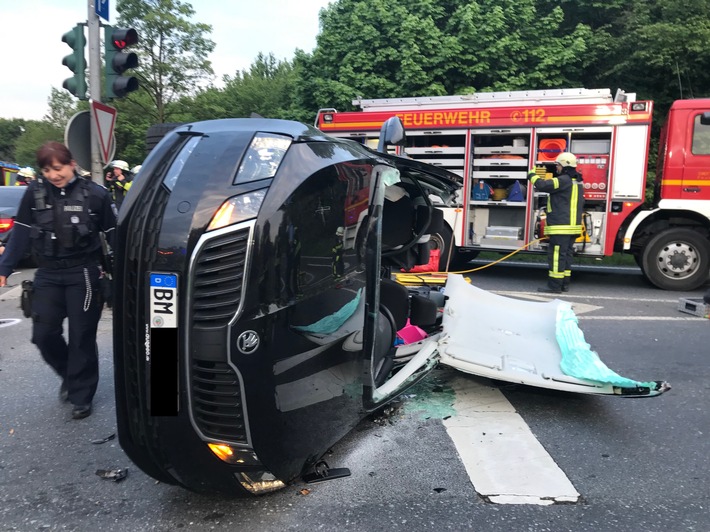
105, 118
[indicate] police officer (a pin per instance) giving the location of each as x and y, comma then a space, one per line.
62, 215
565, 205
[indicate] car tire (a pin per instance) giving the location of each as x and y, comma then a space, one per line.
443, 240
156, 133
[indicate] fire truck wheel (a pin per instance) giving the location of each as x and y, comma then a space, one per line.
638, 257
677, 259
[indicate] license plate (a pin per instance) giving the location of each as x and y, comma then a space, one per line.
163, 300
162, 348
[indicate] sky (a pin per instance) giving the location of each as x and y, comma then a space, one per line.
31, 40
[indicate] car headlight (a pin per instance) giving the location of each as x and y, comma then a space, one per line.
263, 157
238, 209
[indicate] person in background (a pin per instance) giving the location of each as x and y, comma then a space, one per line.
62, 216
337, 254
118, 181
25, 175
135, 170
565, 205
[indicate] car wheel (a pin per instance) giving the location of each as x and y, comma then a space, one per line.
456, 260
156, 133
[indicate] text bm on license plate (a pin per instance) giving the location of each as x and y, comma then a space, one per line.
163, 300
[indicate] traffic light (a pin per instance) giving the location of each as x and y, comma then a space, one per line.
76, 62
118, 61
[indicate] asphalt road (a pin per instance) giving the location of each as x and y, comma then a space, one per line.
637, 464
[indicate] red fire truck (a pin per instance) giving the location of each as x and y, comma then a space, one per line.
492, 140
8, 173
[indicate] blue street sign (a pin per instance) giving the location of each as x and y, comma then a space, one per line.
101, 8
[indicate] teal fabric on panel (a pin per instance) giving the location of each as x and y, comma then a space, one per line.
390, 176
578, 359
334, 321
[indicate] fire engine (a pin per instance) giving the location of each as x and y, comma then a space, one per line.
8, 173
491, 141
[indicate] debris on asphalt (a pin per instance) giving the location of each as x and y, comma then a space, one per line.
387, 415
104, 440
112, 474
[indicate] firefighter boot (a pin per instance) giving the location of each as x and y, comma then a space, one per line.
565, 285
553, 286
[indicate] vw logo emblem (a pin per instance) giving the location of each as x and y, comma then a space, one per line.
248, 342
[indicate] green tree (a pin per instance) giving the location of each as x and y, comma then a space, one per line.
62, 106
266, 88
10, 131
378, 48
658, 50
131, 126
510, 45
35, 134
208, 104
172, 52
386, 48
605, 18
666, 50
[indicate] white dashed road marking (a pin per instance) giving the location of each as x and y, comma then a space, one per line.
504, 460
582, 308
12, 293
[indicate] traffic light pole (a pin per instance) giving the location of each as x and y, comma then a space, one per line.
94, 44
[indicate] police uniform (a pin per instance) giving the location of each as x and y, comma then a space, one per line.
563, 225
63, 226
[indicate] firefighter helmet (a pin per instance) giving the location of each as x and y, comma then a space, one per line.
136, 168
566, 159
123, 165
27, 171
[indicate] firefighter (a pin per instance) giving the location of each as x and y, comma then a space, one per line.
61, 215
565, 205
25, 175
337, 254
118, 181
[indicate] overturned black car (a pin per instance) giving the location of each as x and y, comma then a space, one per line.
254, 314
